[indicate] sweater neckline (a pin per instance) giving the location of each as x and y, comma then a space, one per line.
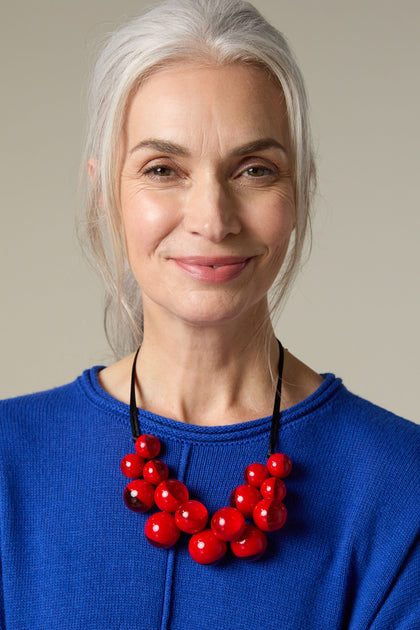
89, 382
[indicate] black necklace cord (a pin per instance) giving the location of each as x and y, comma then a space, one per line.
134, 416
275, 422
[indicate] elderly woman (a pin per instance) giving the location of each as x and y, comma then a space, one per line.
200, 181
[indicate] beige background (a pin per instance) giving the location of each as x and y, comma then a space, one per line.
355, 309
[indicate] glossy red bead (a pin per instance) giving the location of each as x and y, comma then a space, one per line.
269, 514
170, 494
228, 524
273, 488
255, 474
161, 530
132, 465
148, 446
155, 471
206, 548
139, 495
279, 465
251, 545
191, 517
245, 498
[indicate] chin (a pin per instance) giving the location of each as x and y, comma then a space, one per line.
208, 306
214, 311
204, 317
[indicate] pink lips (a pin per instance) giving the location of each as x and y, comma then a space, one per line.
213, 269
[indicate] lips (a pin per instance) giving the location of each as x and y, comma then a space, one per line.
213, 269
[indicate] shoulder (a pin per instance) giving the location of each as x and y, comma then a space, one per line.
376, 457
346, 418
380, 469
30, 416
370, 456
349, 421
370, 426
382, 447
40, 400
356, 421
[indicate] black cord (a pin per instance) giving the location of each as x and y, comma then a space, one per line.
275, 422
134, 417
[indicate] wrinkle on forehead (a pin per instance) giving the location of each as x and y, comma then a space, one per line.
202, 106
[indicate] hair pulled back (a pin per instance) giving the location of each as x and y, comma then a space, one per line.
210, 31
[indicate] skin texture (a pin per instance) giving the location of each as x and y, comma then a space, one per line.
207, 209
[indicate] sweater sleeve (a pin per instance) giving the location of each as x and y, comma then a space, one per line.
384, 578
400, 609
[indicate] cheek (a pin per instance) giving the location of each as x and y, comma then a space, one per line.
147, 220
276, 224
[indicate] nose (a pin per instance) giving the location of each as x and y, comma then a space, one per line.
211, 211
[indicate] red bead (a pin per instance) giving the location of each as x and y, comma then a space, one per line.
255, 474
228, 524
148, 446
245, 498
251, 545
155, 471
132, 466
269, 514
191, 517
170, 494
273, 488
138, 495
161, 530
279, 465
206, 548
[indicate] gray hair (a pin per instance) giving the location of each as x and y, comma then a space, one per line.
216, 31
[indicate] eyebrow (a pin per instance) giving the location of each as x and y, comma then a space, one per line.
173, 148
258, 145
161, 145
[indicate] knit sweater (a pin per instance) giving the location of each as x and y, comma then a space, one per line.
74, 557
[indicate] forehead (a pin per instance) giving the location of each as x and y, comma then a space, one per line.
216, 104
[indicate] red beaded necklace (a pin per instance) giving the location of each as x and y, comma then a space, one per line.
255, 507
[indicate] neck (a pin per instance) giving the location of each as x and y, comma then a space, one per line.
207, 375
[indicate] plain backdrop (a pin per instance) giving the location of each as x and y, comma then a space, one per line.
354, 310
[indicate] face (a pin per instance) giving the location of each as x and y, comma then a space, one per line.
206, 194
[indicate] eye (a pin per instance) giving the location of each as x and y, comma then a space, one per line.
160, 171
258, 171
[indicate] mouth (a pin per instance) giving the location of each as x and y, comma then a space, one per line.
213, 269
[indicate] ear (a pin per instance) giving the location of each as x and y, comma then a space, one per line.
92, 169
92, 165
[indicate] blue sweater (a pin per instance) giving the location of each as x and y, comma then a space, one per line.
74, 557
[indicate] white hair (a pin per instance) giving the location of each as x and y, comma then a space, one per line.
215, 31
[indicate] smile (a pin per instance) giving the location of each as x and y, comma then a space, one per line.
213, 270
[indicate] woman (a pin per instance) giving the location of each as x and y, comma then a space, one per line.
201, 175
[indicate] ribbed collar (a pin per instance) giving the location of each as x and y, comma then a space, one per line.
97, 396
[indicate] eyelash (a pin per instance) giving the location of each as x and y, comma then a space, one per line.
153, 171
267, 171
